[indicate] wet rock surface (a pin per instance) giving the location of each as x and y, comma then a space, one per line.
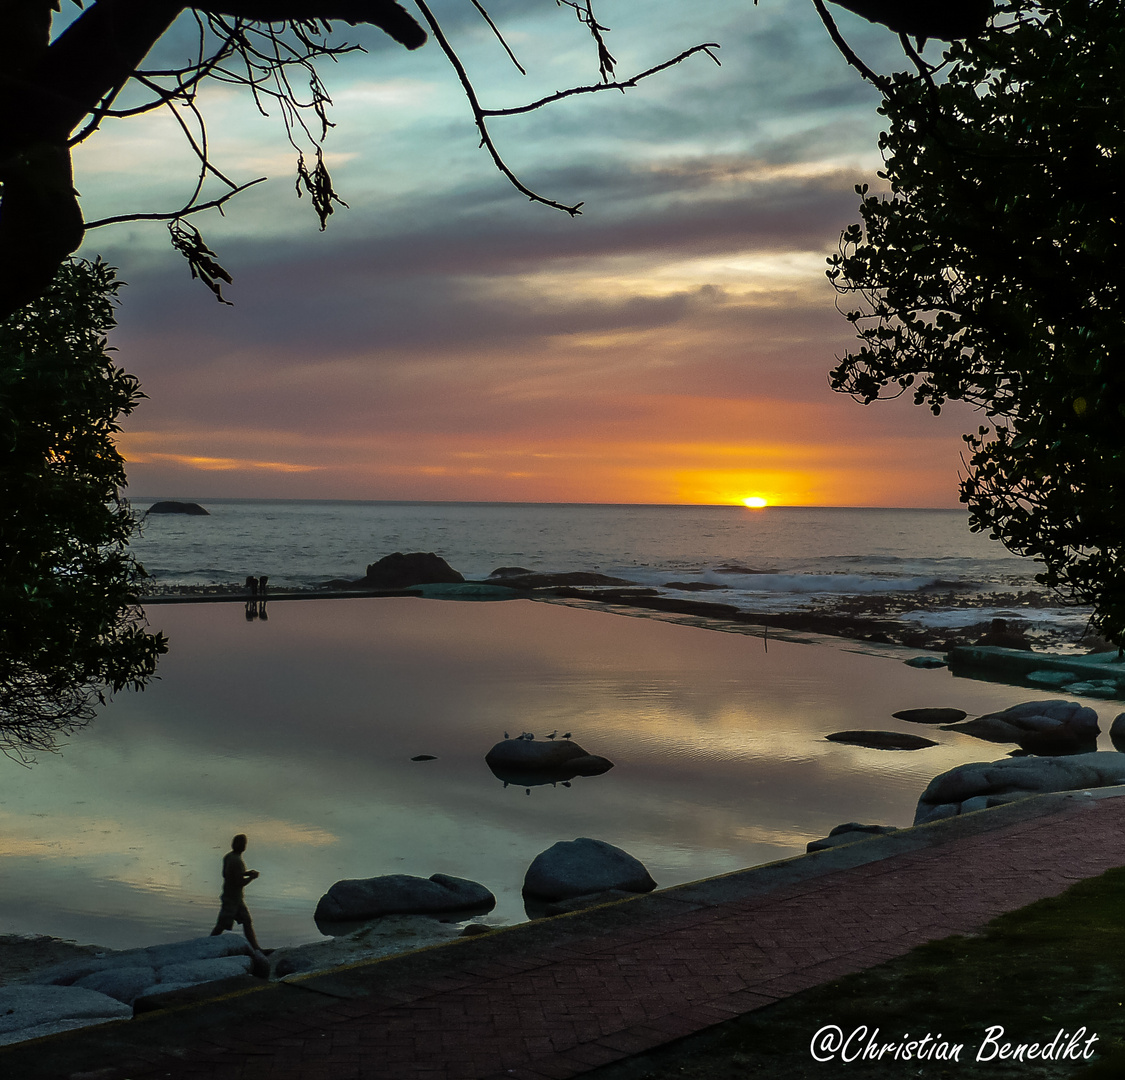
400, 894
1040, 727
881, 740
931, 716
561, 758
400, 571
583, 867
982, 784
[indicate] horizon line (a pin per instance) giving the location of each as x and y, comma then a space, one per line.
506, 502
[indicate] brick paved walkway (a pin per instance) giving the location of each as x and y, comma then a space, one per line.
559, 998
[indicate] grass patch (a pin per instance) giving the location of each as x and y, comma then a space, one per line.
1056, 964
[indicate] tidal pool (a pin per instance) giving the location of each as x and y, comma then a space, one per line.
299, 731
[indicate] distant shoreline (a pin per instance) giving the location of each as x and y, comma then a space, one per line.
870, 620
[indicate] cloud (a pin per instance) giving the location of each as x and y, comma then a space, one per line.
446, 332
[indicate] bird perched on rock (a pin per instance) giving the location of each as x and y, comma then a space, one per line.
553, 733
567, 735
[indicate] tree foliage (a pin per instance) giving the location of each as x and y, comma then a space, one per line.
991, 274
70, 628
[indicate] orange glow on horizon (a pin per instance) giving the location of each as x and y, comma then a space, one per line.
709, 462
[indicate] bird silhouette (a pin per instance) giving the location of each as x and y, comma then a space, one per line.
553, 733
567, 735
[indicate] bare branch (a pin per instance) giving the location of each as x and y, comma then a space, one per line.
478, 116
846, 50
499, 37
176, 214
627, 84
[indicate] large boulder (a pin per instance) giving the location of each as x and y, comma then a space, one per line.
1003, 635
1117, 731
1040, 727
980, 784
581, 867
357, 899
543, 756
399, 571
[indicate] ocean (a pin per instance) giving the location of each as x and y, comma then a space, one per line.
920, 567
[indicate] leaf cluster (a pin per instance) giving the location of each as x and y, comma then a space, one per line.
70, 628
991, 273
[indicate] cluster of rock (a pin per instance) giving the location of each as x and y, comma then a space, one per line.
982, 784
569, 870
1039, 727
417, 568
111, 986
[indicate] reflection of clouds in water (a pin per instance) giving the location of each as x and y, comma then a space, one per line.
300, 733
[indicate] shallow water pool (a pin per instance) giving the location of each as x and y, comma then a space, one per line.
299, 731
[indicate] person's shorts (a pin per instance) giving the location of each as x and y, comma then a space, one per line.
229, 914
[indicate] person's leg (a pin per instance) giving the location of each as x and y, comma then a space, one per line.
248, 930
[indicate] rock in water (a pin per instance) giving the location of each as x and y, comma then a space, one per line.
529, 755
925, 662
981, 783
581, 867
400, 894
399, 571
881, 740
531, 580
1040, 727
178, 508
1002, 635
931, 716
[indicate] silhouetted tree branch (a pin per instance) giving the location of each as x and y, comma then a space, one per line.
54, 95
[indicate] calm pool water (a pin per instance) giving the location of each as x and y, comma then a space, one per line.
299, 731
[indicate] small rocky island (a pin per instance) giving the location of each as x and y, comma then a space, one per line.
170, 507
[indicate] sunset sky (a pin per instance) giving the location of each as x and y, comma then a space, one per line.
445, 339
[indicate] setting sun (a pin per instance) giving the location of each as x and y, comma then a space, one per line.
755, 502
